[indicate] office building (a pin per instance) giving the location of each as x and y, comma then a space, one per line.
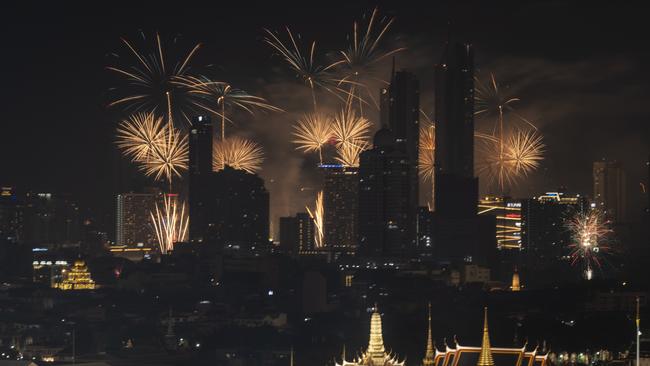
133, 227
200, 170
340, 207
507, 212
297, 234
609, 189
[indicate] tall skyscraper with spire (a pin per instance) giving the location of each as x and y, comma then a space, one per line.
200, 169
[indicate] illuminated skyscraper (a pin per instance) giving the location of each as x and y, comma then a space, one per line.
508, 219
134, 220
200, 169
384, 198
609, 189
341, 204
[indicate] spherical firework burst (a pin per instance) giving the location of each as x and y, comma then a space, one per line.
491, 102
505, 162
138, 134
348, 154
170, 223
349, 128
317, 215
590, 233
167, 156
218, 97
237, 153
149, 76
305, 67
312, 132
361, 58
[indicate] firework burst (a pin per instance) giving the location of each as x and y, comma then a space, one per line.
312, 132
317, 215
167, 156
348, 154
148, 78
237, 153
137, 135
170, 223
590, 232
492, 102
427, 147
505, 162
361, 58
350, 128
218, 97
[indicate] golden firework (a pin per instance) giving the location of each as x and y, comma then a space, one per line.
348, 154
137, 135
170, 223
350, 128
427, 147
168, 155
237, 153
317, 216
217, 97
312, 132
590, 231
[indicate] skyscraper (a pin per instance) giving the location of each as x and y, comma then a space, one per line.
507, 212
456, 190
384, 198
200, 169
609, 189
403, 118
10, 216
237, 210
133, 219
340, 204
297, 234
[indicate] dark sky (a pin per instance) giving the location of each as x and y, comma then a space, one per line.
581, 72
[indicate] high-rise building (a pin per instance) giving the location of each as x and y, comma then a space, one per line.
609, 189
297, 234
200, 170
340, 207
424, 229
134, 220
237, 210
456, 189
507, 212
384, 228
10, 216
50, 220
403, 121
545, 238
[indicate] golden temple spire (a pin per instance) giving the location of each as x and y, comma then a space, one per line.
343, 355
430, 354
291, 357
376, 349
485, 358
516, 286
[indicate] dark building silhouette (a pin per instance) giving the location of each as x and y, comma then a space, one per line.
10, 216
297, 234
425, 227
403, 121
50, 220
384, 198
609, 189
340, 204
200, 170
459, 235
236, 210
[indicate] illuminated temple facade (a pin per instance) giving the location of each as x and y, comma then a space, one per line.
458, 355
76, 278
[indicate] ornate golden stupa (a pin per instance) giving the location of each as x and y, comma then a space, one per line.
516, 286
376, 354
76, 278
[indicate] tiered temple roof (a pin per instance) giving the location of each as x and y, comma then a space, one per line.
76, 278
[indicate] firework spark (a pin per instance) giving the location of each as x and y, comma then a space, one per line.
590, 232
317, 215
149, 79
492, 102
349, 128
237, 153
137, 135
170, 223
505, 162
218, 97
312, 132
167, 156
348, 154
360, 60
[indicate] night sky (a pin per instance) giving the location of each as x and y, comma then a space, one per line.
581, 72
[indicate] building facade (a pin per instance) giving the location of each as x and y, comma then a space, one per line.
133, 226
340, 207
609, 189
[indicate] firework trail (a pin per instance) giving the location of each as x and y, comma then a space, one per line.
168, 156
170, 223
361, 58
148, 80
237, 153
217, 97
505, 162
317, 215
305, 67
312, 132
137, 135
590, 232
348, 154
492, 102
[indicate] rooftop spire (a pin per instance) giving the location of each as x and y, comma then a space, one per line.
429, 354
485, 358
516, 286
376, 348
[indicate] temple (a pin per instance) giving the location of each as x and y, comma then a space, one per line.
76, 278
376, 354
